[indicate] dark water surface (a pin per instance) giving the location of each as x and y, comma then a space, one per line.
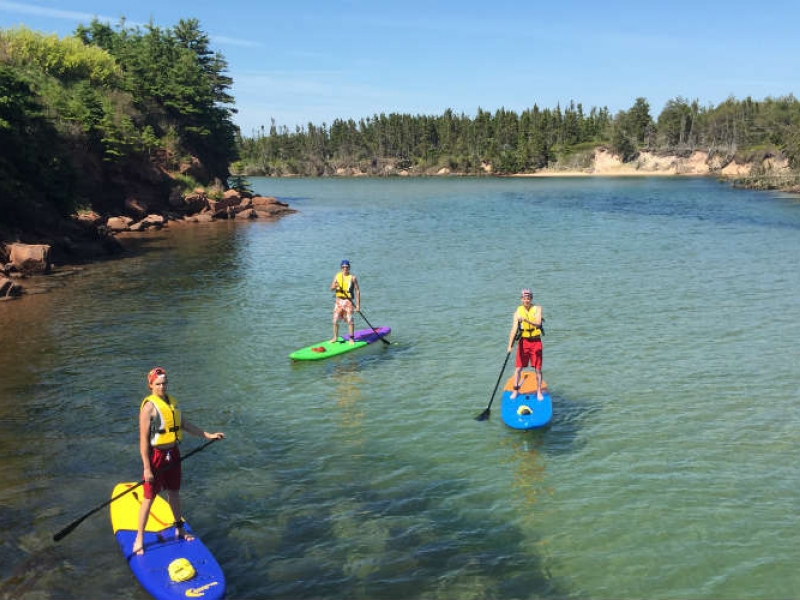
670, 469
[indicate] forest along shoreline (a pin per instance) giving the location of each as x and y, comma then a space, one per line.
89, 237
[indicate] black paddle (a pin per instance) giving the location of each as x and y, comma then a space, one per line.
380, 337
485, 414
71, 527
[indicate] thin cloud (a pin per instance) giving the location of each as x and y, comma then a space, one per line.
309, 84
82, 17
52, 13
229, 41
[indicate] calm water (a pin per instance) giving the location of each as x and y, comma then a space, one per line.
670, 469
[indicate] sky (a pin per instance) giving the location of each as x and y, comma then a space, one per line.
298, 62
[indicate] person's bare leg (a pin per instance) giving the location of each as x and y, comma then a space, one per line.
335, 330
539, 394
517, 377
174, 499
144, 514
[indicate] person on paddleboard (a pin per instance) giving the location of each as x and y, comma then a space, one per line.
348, 297
527, 323
161, 428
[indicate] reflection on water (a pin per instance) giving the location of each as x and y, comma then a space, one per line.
347, 393
528, 466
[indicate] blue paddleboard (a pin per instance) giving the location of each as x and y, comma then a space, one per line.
162, 570
526, 411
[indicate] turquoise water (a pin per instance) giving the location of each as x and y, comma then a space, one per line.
670, 468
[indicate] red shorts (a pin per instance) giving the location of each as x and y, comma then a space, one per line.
529, 352
165, 478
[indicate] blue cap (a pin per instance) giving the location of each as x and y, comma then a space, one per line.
345, 262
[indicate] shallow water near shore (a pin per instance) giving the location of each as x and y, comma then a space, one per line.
669, 470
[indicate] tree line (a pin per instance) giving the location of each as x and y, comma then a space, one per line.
83, 116
514, 142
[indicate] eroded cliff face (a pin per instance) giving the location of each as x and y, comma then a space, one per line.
598, 162
137, 187
698, 162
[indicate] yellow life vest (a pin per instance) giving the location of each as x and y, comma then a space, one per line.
344, 286
166, 427
528, 330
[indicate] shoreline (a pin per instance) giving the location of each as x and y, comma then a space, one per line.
601, 162
89, 238
14, 284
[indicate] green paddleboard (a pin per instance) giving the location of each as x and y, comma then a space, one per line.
328, 349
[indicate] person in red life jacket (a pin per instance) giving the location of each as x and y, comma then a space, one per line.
348, 297
161, 428
527, 323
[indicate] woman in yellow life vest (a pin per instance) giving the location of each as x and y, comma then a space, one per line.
348, 297
528, 323
161, 428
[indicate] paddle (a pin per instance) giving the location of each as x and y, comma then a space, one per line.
380, 337
485, 414
71, 527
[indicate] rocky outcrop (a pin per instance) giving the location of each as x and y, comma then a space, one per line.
117, 224
198, 206
28, 259
8, 288
89, 235
19, 262
270, 207
188, 204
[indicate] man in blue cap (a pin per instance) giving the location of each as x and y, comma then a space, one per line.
348, 297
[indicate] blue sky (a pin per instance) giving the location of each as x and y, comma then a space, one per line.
303, 62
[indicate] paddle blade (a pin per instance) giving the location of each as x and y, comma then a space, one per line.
66, 531
484, 416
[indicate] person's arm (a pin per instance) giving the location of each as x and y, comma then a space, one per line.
334, 283
513, 333
197, 432
357, 289
144, 439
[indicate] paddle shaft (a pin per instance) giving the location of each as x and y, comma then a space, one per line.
380, 337
485, 414
71, 527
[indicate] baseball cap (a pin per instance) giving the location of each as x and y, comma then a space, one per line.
154, 374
